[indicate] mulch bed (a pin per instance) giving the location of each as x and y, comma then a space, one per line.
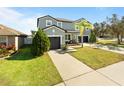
7, 53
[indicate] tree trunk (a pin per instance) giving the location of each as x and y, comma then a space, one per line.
121, 37
82, 41
118, 37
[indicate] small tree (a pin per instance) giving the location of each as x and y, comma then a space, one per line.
92, 38
40, 43
83, 25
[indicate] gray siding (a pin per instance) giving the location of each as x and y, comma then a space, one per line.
65, 25
42, 22
11, 40
20, 41
87, 32
57, 32
68, 26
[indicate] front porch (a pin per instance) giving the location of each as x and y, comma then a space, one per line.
75, 38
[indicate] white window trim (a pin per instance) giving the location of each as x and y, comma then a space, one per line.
58, 23
54, 27
70, 37
83, 36
76, 28
6, 39
48, 21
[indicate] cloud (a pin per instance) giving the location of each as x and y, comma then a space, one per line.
9, 14
17, 20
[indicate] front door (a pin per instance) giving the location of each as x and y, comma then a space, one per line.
79, 39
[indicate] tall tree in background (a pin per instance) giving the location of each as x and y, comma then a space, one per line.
115, 26
122, 27
102, 29
96, 29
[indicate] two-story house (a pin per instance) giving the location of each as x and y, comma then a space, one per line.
61, 30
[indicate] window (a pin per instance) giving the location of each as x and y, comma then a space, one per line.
48, 22
68, 37
59, 24
3, 39
76, 27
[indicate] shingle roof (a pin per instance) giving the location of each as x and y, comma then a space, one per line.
58, 19
55, 26
63, 19
4, 30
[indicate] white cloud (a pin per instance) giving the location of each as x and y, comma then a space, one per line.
9, 14
18, 20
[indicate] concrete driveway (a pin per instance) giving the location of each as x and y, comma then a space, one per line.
75, 73
68, 66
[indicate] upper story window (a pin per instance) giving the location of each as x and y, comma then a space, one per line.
48, 22
59, 24
76, 27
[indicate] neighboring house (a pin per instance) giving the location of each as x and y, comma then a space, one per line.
61, 30
9, 36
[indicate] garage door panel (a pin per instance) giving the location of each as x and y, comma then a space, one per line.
54, 42
85, 39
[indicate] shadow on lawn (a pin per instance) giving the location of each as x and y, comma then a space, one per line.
22, 54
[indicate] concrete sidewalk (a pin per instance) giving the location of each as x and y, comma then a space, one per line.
75, 72
108, 48
115, 72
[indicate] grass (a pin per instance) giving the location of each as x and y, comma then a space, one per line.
111, 42
96, 58
23, 69
107, 42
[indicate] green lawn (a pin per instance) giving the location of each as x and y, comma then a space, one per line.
110, 42
23, 69
107, 42
96, 58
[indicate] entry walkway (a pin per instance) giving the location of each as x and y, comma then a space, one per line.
75, 72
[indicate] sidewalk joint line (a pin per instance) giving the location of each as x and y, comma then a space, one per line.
78, 76
109, 78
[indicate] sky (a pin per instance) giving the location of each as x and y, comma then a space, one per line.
24, 19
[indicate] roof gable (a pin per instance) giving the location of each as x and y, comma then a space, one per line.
57, 19
55, 27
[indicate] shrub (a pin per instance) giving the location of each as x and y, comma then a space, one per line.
40, 43
64, 47
92, 38
10, 47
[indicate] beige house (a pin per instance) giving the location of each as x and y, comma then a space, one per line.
9, 36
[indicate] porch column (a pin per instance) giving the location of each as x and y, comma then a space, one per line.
7, 40
16, 43
82, 41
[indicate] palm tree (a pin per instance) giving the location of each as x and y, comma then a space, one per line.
83, 25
